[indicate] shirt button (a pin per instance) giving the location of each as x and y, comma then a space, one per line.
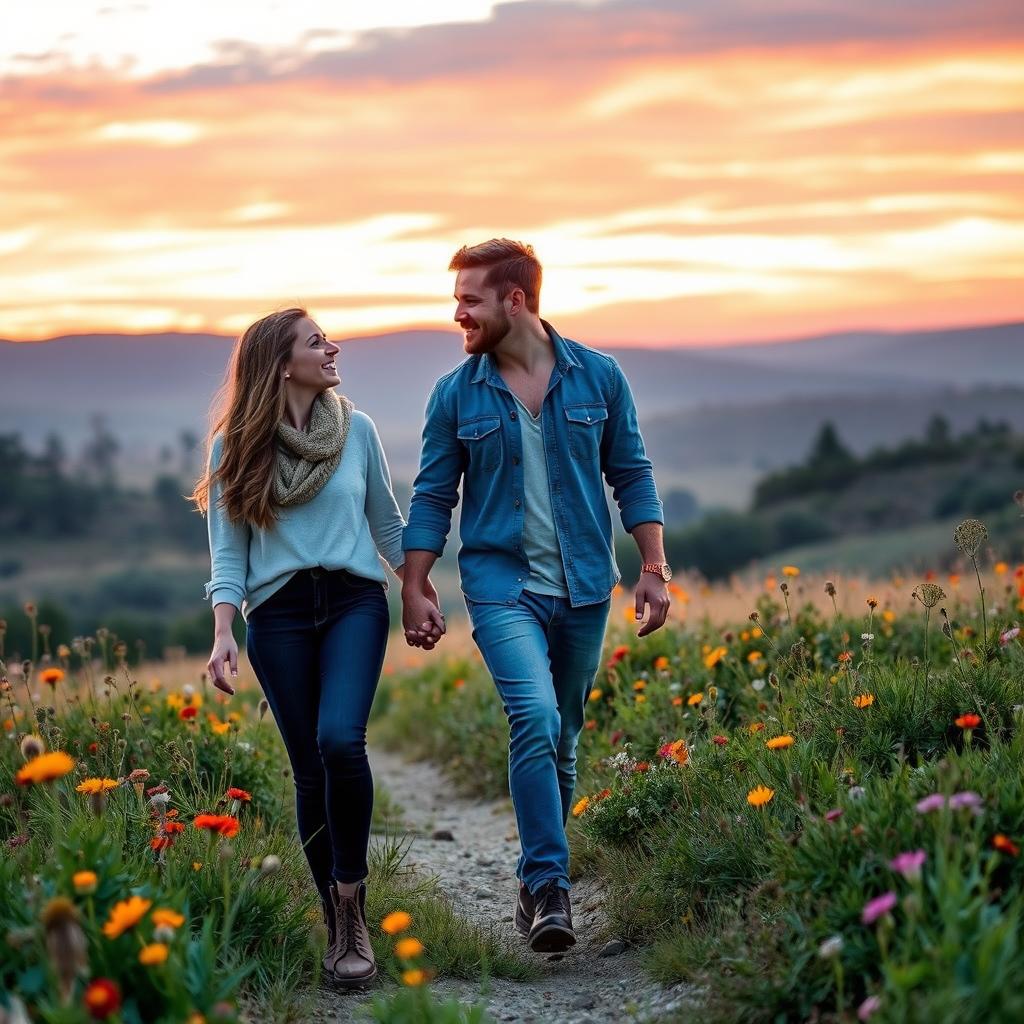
515, 460
512, 414
519, 579
517, 503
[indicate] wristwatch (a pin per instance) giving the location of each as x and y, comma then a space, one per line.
658, 568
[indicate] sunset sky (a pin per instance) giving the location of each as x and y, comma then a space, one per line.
688, 172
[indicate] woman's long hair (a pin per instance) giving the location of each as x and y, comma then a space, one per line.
247, 410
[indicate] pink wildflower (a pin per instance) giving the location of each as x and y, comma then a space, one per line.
965, 801
878, 907
834, 815
870, 1005
934, 802
908, 864
1010, 634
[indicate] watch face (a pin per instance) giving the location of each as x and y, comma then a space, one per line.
666, 573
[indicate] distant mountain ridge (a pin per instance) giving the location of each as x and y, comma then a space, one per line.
151, 387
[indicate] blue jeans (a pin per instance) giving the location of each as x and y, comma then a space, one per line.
543, 655
317, 647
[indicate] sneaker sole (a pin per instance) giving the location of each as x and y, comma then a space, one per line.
552, 939
523, 926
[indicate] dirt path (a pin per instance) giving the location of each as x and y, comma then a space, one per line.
476, 870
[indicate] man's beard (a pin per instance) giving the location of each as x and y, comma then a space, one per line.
491, 333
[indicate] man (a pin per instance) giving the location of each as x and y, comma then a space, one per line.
528, 423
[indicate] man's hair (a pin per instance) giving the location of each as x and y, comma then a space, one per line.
510, 265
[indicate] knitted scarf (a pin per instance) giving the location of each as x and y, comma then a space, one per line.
305, 461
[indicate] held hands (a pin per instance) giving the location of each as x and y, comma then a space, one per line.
421, 617
225, 653
651, 591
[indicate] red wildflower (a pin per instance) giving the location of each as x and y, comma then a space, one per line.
172, 828
615, 737
223, 824
234, 793
161, 843
187, 712
968, 721
1005, 845
102, 998
642, 766
618, 654
720, 740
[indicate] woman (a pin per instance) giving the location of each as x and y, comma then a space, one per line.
299, 508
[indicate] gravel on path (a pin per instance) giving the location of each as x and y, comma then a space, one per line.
475, 869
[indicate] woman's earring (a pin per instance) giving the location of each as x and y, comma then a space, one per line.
287, 376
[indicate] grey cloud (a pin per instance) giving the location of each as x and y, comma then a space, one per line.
562, 37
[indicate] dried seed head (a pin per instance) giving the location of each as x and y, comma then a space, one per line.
32, 746
970, 535
929, 594
270, 864
830, 588
753, 616
263, 708
784, 587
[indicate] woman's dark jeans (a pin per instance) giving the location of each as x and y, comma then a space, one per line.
317, 646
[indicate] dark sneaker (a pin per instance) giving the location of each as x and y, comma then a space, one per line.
552, 920
525, 909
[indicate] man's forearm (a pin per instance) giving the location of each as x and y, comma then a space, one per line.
650, 540
417, 568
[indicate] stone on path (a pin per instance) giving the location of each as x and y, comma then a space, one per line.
613, 947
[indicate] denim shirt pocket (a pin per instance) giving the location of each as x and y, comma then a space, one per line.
482, 440
586, 427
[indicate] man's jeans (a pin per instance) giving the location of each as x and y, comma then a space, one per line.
543, 655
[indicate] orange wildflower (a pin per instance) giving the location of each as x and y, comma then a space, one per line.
759, 796
125, 914
968, 721
51, 675
395, 922
1005, 845
779, 742
44, 768
223, 824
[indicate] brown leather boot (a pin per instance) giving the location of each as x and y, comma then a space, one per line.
353, 961
332, 952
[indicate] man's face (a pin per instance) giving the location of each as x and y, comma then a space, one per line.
479, 312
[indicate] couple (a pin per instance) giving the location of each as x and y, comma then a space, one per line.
300, 513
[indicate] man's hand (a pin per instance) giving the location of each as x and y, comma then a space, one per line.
421, 617
652, 592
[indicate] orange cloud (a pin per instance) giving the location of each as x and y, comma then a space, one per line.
675, 193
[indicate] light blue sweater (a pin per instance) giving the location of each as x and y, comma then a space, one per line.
351, 524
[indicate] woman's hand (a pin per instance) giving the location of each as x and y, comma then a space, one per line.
225, 652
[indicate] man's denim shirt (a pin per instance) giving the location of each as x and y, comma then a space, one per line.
472, 430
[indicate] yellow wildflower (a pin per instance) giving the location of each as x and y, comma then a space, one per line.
581, 806
164, 916
759, 796
694, 699
863, 700
712, 658
153, 954
791, 571
92, 786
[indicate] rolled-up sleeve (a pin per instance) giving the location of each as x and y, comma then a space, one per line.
229, 546
624, 460
382, 511
435, 491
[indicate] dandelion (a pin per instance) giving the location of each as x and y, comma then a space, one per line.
908, 864
791, 571
779, 742
968, 721
125, 914
759, 796
84, 882
408, 948
153, 954
92, 786
1005, 845
270, 864
395, 922
45, 768
102, 998
52, 676
694, 699
863, 700
878, 907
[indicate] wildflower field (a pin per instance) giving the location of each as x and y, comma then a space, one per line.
803, 796
150, 870
812, 808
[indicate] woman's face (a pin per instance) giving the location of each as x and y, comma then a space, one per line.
311, 364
